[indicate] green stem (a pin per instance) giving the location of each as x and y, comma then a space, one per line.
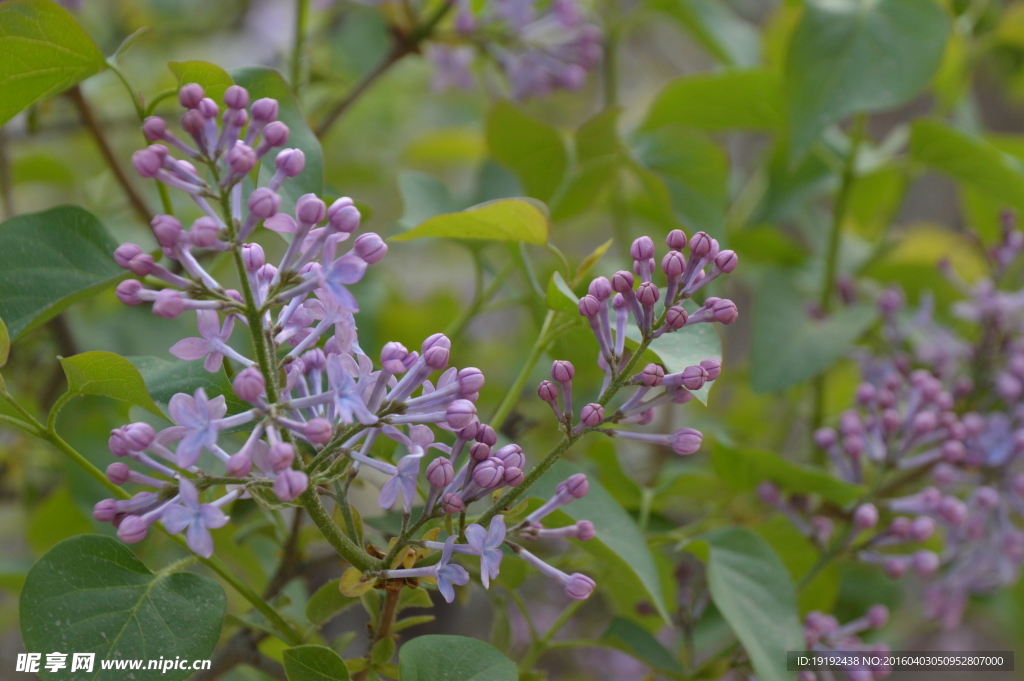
301, 19
482, 297
541, 646
516, 389
341, 543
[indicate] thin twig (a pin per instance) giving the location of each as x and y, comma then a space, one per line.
90, 121
395, 54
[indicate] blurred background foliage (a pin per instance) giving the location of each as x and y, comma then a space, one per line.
837, 146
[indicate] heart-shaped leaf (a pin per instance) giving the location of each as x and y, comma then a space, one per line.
531, 148
43, 52
164, 379
501, 220
749, 99
453, 658
91, 594
560, 296
107, 374
50, 260
314, 663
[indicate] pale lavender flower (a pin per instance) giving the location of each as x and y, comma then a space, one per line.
195, 519
197, 415
213, 345
487, 544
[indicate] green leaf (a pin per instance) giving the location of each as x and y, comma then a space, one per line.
107, 374
968, 159
453, 658
851, 56
585, 187
599, 136
327, 602
43, 52
5, 344
164, 379
716, 27
501, 220
560, 296
51, 260
631, 638
743, 469
727, 100
383, 651
619, 543
799, 555
694, 170
214, 79
789, 346
423, 197
531, 148
90, 593
314, 663
54, 520
264, 82
685, 347
753, 592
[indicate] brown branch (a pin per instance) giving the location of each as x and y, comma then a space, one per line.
90, 122
394, 55
290, 560
241, 648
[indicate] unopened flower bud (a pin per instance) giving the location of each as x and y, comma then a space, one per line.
648, 294
686, 441
132, 530
166, 229
725, 311
104, 511
281, 456
589, 306
712, 366
673, 264
241, 158
694, 377
236, 97
239, 465
865, 517
452, 503
253, 257
652, 375
440, 472
592, 414
154, 128
344, 216
394, 357
128, 292
168, 304
460, 413
264, 110
727, 261
436, 358
675, 317
562, 371
249, 384
204, 232
700, 245
579, 587
480, 452
676, 240
147, 163
576, 485
190, 95
264, 203
288, 161
922, 528
124, 253
925, 563
311, 210
289, 484
642, 249
370, 247
623, 281
117, 473
547, 391
585, 530
319, 431
514, 476
600, 288
470, 379
489, 473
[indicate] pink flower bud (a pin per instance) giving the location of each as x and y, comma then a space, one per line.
343, 216
576, 485
562, 371
652, 375
489, 473
642, 248
713, 367
585, 530
128, 292
124, 253
579, 587
193, 123
727, 261
289, 484
452, 503
676, 240
700, 245
394, 358
648, 294
675, 317
600, 288
592, 414
204, 232
281, 456
673, 264
105, 510
132, 530
264, 203
190, 95
486, 435
169, 303
694, 377
310, 209
865, 517
480, 452
878, 616
436, 357
922, 528
725, 311
264, 110
925, 563
589, 306
236, 97
249, 384
154, 128
319, 431
208, 108
117, 473
514, 476
952, 510
253, 257
370, 247
142, 265
623, 281
686, 441
769, 493
511, 456
166, 229
239, 465
470, 380
241, 158
147, 162
460, 413
986, 498
440, 472
288, 161
276, 135
547, 391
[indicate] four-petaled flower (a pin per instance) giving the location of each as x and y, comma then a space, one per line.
213, 344
196, 519
348, 269
197, 416
404, 480
447, 573
348, 402
487, 545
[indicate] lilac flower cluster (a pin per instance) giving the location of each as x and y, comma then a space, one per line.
539, 48
823, 634
618, 297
